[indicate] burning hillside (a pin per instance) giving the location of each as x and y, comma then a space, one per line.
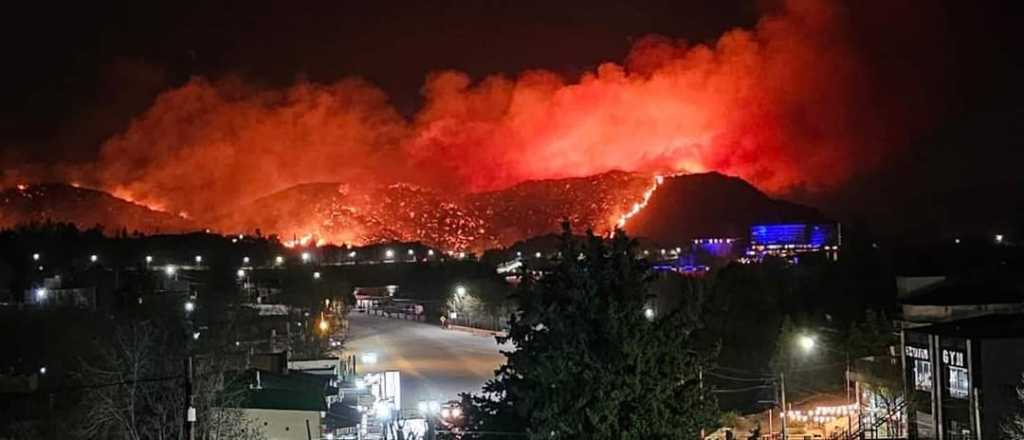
24, 204
669, 209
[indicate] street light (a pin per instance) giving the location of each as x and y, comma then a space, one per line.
240, 273
316, 275
649, 313
323, 325
199, 260
245, 260
190, 306
460, 291
170, 270
41, 293
388, 253
278, 260
93, 258
35, 257
806, 342
305, 257
430, 252
149, 259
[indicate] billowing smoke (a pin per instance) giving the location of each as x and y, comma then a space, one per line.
786, 104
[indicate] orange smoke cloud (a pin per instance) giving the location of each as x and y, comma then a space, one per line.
784, 104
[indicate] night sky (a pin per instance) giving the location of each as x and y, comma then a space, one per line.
77, 74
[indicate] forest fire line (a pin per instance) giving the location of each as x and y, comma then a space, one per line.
763, 104
637, 207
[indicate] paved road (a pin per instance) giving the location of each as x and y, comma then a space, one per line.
435, 364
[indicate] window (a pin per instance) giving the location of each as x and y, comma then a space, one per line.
959, 382
922, 375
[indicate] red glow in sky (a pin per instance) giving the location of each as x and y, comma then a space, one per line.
782, 105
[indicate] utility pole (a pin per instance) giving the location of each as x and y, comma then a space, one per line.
700, 377
190, 409
784, 414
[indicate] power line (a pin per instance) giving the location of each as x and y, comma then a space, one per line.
741, 379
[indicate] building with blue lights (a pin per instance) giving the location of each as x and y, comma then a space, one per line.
790, 239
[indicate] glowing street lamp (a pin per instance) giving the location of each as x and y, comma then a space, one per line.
323, 325
199, 259
649, 313
240, 273
460, 291
149, 259
430, 252
316, 275
305, 257
411, 252
35, 257
190, 306
93, 258
806, 342
41, 293
388, 253
537, 255
245, 260
278, 260
352, 254
170, 270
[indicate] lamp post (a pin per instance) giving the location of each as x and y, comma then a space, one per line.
808, 343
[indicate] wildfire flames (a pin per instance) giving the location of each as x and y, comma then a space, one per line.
621, 223
784, 104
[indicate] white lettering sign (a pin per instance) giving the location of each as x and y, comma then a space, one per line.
917, 352
951, 357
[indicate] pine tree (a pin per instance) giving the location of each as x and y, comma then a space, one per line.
589, 363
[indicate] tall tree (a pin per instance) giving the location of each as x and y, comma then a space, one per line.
590, 360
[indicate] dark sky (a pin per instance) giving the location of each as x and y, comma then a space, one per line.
74, 74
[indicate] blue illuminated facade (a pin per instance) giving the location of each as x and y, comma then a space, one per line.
786, 240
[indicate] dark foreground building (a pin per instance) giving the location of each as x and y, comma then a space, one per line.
963, 376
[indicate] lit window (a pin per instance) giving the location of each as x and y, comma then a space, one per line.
959, 383
922, 375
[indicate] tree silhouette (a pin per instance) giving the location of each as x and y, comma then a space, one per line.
588, 362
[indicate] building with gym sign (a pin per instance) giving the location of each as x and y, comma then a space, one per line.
962, 376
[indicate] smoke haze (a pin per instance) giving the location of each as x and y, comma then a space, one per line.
787, 104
